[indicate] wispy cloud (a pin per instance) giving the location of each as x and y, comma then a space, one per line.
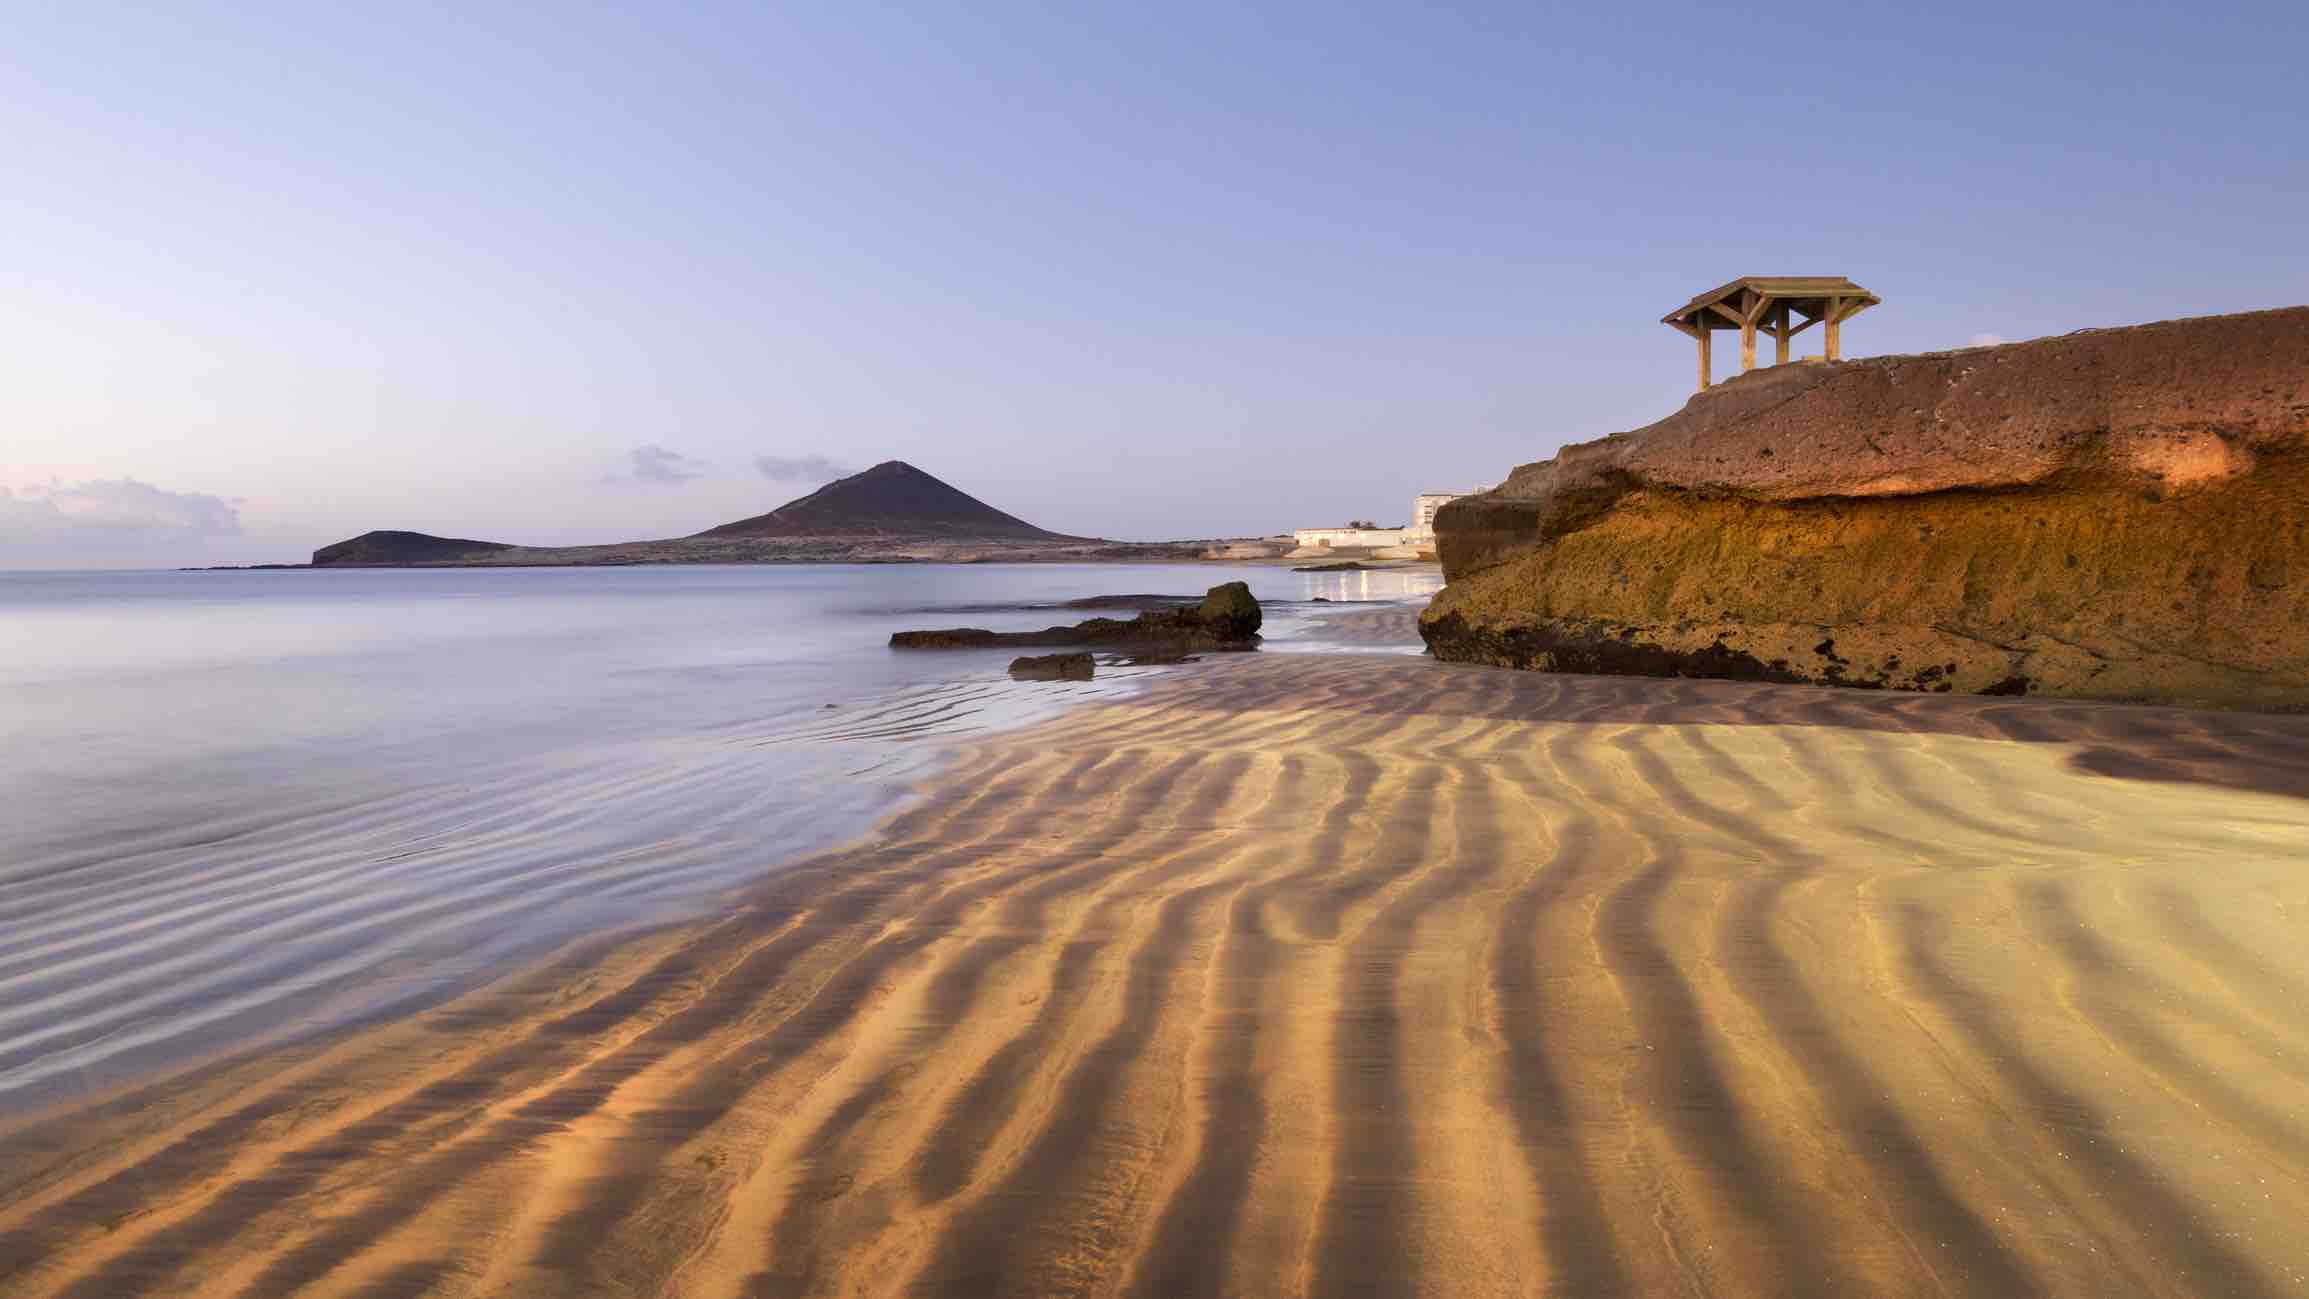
1985, 340
658, 465
110, 512
803, 469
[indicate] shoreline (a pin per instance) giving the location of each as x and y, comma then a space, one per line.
1273, 976
275, 897
1268, 561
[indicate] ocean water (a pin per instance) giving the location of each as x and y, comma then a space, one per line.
236, 806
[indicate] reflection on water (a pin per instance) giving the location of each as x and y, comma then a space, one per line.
243, 804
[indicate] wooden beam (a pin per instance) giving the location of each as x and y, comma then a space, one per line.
1707, 371
1843, 309
1780, 335
1834, 343
1724, 311
1753, 308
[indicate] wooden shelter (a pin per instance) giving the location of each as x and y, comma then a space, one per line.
1780, 305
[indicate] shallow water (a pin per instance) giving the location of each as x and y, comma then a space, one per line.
246, 804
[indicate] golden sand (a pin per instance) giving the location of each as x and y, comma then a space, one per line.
1342, 975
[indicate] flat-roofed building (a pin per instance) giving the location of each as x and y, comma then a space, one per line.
1351, 538
1424, 506
1419, 535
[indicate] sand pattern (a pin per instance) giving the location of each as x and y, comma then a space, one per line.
1348, 975
119, 954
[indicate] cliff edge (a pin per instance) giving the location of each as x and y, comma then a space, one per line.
2112, 514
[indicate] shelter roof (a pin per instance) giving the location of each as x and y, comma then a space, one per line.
1809, 294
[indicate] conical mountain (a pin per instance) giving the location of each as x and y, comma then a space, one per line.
893, 499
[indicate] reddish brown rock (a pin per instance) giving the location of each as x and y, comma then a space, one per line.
2116, 513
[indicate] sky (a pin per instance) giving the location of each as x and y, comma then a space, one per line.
274, 275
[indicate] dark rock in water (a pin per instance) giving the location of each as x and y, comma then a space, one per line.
1344, 566
1077, 666
1227, 619
1230, 611
1135, 603
1157, 655
958, 638
396, 548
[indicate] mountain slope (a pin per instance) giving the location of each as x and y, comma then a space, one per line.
892, 499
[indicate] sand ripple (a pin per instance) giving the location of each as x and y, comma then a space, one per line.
1318, 975
263, 924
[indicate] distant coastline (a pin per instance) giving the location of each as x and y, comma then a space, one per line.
836, 550
892, 513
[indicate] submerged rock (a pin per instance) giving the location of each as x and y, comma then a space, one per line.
1155, 656
2114, 514
1134, 603
1076, 666
1227, 618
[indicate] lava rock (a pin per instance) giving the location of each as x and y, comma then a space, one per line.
1075, 666
1227, 618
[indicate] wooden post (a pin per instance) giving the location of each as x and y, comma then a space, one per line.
1749, 310
1832, 326
1707, 371
1780, 335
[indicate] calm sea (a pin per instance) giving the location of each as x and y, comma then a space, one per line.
240, 805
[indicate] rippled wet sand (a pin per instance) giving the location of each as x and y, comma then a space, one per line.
261, 924
1342, 975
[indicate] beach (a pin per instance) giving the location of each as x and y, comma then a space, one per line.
250, 806
1338, 974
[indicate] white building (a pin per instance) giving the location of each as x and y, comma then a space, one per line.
1354, 538
1420, 533
1423, 508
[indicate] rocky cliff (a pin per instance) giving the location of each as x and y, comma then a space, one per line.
2117, 513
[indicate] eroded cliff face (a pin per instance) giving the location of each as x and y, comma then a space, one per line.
2117, 514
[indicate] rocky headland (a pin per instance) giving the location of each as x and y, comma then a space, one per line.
393, 549
2111, 514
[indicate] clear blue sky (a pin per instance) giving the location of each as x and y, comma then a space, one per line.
565, 273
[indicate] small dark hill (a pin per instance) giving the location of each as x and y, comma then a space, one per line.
402, 548
893, 499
